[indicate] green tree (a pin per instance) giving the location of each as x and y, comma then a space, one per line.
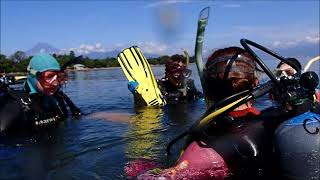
3, 57
72, 55
18, 56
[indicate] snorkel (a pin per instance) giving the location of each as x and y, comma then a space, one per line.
202, 23
292, 91
186, 74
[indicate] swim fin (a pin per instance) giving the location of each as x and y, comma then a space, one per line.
136, 68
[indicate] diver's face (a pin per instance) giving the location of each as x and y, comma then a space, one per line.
287, 70
48, 89
176, 75
178, 70
49, 81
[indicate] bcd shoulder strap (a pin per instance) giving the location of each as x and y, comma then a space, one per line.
73, 108
22, 98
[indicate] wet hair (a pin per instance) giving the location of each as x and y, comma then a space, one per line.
229, 71
295, 62
178, 58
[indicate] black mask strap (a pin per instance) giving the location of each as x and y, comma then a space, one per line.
229, 66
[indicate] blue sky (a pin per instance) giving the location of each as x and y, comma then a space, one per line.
157, 27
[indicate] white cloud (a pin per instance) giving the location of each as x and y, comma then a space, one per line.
166, 2
315, 39
278, 36
276, 31
146, 47
292, 43
231, 5
152, 47
86, 49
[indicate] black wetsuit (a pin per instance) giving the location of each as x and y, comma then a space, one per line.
247, 144
20, 111
243, 143
174, 95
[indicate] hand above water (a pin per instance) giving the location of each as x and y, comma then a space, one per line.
132, 86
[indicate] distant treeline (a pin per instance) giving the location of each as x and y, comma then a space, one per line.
19, 61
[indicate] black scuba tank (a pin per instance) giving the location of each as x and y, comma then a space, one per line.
297, 147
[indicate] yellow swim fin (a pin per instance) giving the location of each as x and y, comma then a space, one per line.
136, 68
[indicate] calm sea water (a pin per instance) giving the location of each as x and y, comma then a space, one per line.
99, 146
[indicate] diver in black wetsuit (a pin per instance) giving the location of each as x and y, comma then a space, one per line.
176, 86
41, 103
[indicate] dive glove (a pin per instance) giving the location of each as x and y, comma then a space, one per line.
132, 86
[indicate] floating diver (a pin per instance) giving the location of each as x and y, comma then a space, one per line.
41, 102
175, 87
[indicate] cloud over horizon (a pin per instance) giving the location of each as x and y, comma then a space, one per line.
147, 47
231, 5
85, 49
293, 43
166, 2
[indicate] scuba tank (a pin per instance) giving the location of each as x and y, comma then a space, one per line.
297, 141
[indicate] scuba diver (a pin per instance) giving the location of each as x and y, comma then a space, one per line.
176, 86
286, 70
295, 123
41, 103
236, 143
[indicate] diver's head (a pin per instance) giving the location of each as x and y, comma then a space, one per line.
44, 75
176, 69
229, 71
287, 70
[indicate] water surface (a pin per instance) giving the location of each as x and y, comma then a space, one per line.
93, 148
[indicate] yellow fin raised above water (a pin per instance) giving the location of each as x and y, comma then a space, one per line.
136, 68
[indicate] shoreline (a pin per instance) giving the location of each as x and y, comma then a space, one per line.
73, 70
